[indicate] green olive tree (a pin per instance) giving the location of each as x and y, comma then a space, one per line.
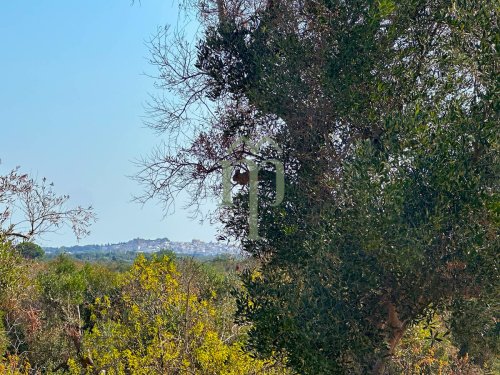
386, 118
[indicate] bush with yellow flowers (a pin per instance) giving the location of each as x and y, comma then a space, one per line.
157, 325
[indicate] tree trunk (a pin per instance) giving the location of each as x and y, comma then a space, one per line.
395, 329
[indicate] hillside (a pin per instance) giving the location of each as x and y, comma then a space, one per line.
139, 245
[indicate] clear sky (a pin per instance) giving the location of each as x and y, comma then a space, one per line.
72, 95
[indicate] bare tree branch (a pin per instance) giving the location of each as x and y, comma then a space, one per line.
29, 208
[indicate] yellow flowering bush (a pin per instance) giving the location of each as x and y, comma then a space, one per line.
157, 325
14, 365
426, 348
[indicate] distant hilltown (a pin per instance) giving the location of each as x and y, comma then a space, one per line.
139, 245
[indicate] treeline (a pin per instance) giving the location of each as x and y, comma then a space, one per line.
129, 256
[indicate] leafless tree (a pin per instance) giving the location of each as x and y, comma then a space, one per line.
29, 209
197, 124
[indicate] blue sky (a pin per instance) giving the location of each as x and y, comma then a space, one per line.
72, 94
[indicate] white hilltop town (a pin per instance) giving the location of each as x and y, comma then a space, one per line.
139, 245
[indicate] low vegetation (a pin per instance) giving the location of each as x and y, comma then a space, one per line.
164, 315
161, 315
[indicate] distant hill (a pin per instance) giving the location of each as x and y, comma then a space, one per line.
195, 247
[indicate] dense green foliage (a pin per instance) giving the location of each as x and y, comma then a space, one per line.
30, 250
386, 116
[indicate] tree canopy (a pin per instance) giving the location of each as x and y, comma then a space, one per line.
386, 115
30, 250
